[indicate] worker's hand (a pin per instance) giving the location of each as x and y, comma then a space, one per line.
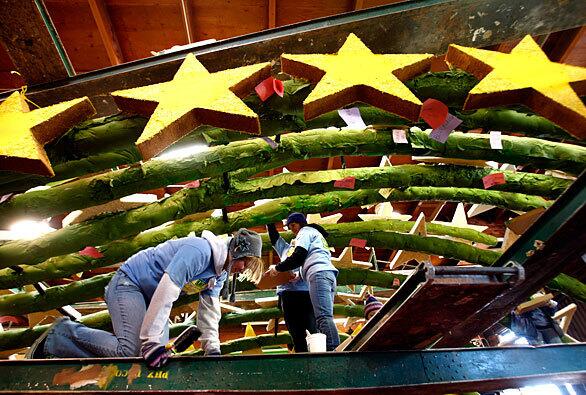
296, 277
272, 271
156, 357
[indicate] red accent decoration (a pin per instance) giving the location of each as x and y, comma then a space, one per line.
396, 282
493, 179
278, 87
358, 242
434, 112
346, 182
192, 184
265, 89
92, 252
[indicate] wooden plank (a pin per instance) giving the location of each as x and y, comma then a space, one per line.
439, 301
358, 4
534, 303
107, 33
272, 19
29, 43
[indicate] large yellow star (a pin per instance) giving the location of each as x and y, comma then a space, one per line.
356, 74
192, 98
525, 76
23, 133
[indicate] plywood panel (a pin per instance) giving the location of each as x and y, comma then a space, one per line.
78, 31
145, 26
302, 10
221, 19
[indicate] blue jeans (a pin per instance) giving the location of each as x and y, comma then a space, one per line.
127, 307
322, 287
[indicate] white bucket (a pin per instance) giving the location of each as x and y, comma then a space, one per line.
316, 342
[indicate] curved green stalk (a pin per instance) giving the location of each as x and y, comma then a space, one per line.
211, 195
258, 154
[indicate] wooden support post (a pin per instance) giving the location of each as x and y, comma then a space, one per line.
107, 33
272, 18
29, 43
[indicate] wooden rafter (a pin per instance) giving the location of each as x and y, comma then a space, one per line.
28, 42
107, 33
272, 17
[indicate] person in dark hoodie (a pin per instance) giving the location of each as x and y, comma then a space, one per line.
311, 253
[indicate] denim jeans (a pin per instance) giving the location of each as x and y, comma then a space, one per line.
322, 287
127, 307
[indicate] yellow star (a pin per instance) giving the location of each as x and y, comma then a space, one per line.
192, 98
356, 74
528, 77
25, 132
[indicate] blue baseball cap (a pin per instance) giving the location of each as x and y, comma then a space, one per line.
297, 218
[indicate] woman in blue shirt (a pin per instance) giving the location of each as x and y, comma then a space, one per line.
312, 254
294, 297
142, 292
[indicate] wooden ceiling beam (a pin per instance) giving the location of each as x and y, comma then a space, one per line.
107, 33
29, 43
272, 18
187, 21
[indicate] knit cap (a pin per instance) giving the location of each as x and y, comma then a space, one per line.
246, 243
371, 306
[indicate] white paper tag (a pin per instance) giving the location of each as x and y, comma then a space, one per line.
352, 118
496, 141
399, 136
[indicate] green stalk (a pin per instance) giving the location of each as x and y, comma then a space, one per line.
211, 195
91, 288
258, 154
273, 211
570, 286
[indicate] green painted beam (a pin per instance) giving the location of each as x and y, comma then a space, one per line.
396, 372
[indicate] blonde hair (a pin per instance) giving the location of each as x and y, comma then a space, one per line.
253, 269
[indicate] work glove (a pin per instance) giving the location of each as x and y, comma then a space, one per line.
156, 357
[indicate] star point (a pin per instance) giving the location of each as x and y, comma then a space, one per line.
525, 76
354, 74
25, 132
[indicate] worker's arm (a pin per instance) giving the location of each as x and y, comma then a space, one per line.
175, 277
273, 233
155, 319
208, 316
294, 261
